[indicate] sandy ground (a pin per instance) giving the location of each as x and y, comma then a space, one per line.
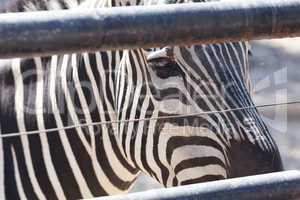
275, 74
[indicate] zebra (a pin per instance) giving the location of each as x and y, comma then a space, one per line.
158, 88
48, 92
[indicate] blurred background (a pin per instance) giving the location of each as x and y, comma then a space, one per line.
275, 74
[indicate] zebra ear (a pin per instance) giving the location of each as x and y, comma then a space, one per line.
166, 52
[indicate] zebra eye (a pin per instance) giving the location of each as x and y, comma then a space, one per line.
164, 67
160, 62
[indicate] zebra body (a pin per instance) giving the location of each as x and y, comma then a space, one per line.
61, 94
54, 92
82, 162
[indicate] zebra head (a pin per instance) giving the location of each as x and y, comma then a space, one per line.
204, 124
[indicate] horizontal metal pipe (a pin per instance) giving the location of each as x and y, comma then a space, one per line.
79, 30
274, 186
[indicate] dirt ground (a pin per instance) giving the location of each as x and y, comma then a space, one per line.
275, 74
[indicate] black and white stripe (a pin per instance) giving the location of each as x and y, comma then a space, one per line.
54, 92
184, 80
68, 164
64, 90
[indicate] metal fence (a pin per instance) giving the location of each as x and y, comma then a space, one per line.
78, 30
56, 32
274, 186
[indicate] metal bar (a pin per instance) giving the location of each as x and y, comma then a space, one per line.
79, 30
274, 186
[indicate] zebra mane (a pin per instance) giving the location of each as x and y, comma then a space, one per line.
35, 5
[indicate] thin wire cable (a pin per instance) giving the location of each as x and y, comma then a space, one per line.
9, 135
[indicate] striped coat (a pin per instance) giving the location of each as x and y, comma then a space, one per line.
62, 91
